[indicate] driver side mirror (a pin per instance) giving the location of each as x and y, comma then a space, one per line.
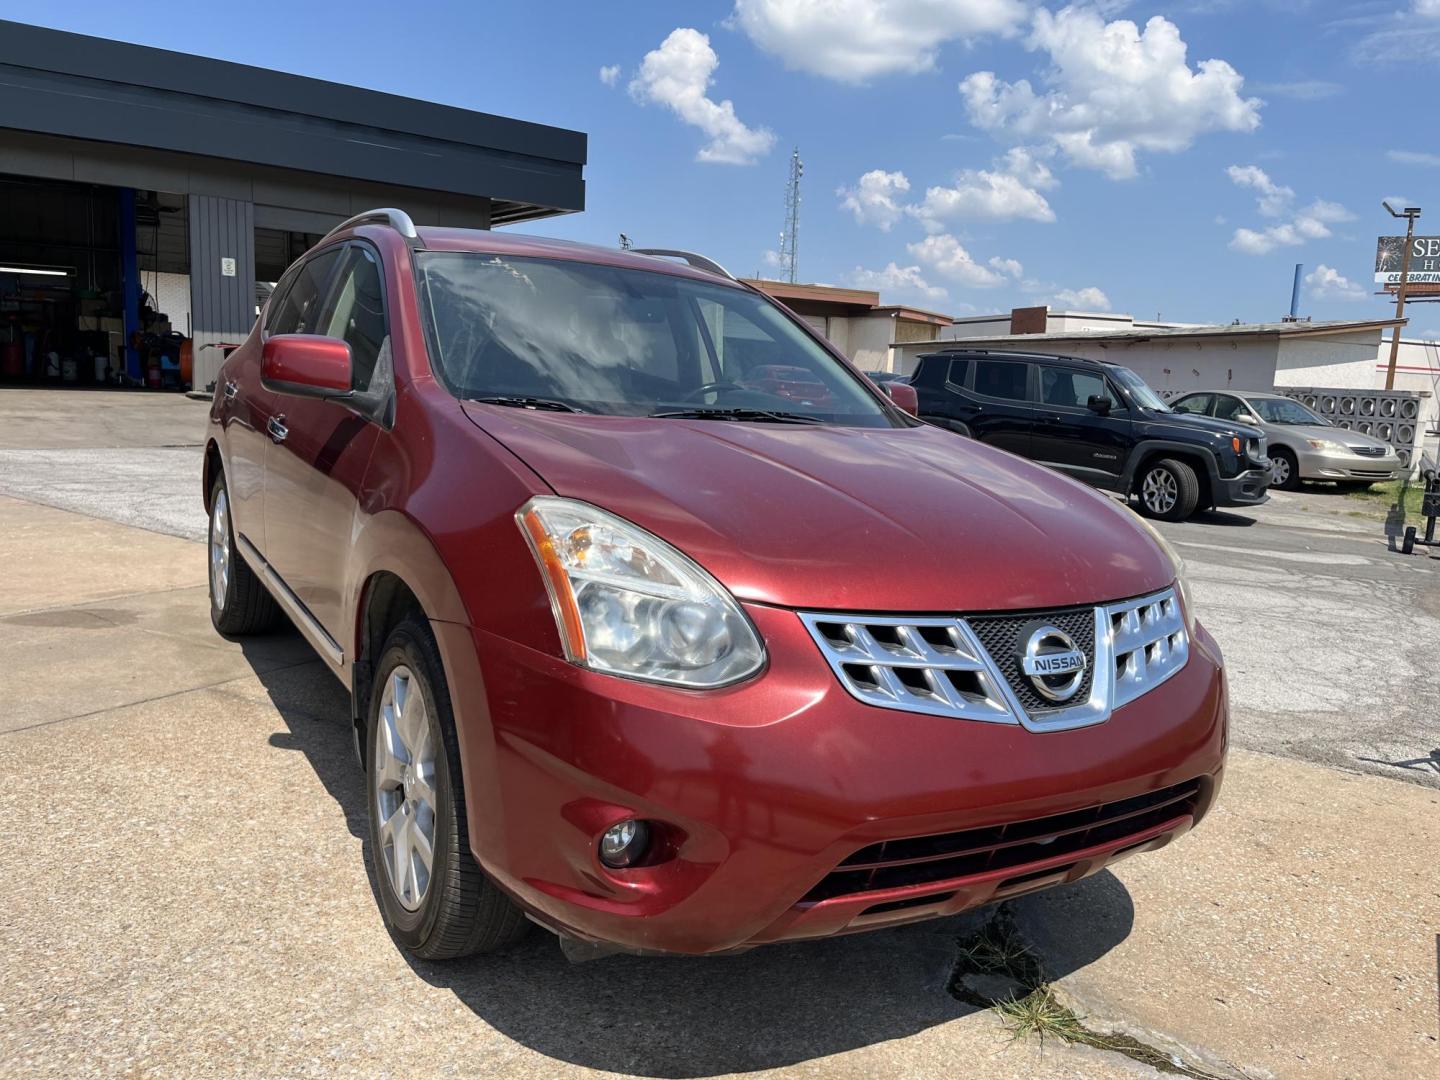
903, 395
1100, 403
306, 365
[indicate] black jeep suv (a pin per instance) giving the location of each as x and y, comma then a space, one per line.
1098, 422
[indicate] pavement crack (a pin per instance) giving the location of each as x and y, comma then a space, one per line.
996, 969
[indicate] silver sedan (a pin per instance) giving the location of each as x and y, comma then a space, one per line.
1303, 445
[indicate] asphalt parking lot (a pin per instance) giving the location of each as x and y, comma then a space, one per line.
183, 893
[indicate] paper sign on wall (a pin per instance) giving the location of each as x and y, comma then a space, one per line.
227, 267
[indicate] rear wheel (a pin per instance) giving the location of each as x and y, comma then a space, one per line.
1284, 471
1168, 490
239, 603
435, 898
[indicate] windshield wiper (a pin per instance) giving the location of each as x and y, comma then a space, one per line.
548, 404
770, 416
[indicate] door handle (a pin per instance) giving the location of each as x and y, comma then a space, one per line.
277, 427
231, 388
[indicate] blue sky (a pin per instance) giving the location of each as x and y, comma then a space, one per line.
1153, 158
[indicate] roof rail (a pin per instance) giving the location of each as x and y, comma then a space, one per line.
388, 215
700, 262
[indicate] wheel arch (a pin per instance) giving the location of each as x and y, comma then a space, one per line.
214, 466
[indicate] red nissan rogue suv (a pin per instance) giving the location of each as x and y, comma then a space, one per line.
664, 627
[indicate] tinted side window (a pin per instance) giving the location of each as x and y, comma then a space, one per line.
1195, 403
300, 308
1227, 407
1001, 379
1068, 387
358, 314
958, 373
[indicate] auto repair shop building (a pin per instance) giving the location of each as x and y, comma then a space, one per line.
127, 172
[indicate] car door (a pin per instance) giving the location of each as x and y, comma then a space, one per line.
246, 407
1071, 436
1000, 400
318, 451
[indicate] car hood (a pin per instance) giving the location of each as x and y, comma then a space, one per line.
1209, 423
858, 519
1321, 431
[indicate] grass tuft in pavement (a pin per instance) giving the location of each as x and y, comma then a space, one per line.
995, 969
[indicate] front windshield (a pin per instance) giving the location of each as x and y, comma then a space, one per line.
623, 342
1282, 410
1139, 389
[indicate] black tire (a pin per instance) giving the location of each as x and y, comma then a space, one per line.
462, 912
245, 606
1285, 475
1167, 489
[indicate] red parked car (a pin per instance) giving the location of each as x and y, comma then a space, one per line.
662, 659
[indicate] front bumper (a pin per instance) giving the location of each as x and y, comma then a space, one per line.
1250, 488
1327, 465
766, 788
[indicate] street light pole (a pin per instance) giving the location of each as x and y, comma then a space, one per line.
1410, 213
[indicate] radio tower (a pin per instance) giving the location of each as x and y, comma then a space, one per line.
790, 234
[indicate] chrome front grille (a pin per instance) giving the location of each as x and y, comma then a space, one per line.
1148, 641
968, 667
1369, 451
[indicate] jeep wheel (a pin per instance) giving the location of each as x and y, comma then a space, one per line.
239, 604
1284, 472
1168, 490
435, 898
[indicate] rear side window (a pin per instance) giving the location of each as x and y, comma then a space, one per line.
958, 373
358, 314
1001, 379
300, 308
1195, 403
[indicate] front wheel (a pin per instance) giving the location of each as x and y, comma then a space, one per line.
435, 898
239, 603
1168, 490
1284, 470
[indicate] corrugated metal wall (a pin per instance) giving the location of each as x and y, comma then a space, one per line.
222, 229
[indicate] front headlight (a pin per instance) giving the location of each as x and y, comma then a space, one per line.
1330, 446
1181, 585
628, 603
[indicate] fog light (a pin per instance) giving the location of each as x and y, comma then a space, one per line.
624, 844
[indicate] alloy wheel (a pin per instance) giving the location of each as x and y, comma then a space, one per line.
220, 550
1160, 491
1279, 470
404, 788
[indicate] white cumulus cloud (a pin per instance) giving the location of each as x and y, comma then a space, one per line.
903, 278
1009, 191
1087, 299
610, 74
1274, 199
1311, 222
1327, 283
1008, 267
855, 40
945, 255
677, 75
875, 199
1113, 90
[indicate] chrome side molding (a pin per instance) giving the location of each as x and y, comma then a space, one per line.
299, 614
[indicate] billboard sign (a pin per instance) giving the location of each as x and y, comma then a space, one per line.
1424, 260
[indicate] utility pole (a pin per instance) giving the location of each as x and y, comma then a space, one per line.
790, 234
1410, 213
